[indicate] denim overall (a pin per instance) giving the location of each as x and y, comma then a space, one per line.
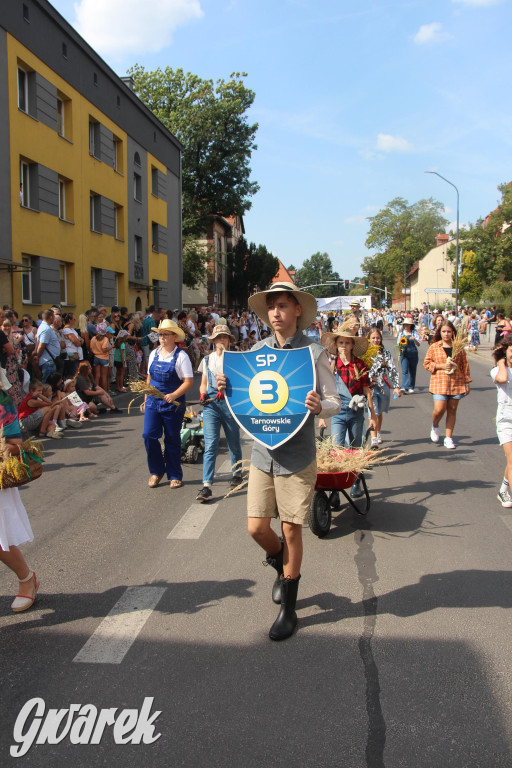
215, 414
347, 425
160, 415
409, 363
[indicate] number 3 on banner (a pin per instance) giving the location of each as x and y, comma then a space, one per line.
268, 392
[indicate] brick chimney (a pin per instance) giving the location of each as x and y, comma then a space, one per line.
442, 239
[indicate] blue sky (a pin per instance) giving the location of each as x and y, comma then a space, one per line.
354, 102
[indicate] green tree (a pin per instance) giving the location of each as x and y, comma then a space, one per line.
250, 268
195, 262
210, 120
490, 240
470, 281
318, 269
401, 234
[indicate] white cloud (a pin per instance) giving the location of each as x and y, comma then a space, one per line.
357, 219
430, 33
119, 27
388, 143
478, 3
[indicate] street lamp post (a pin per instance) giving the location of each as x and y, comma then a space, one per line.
457, 246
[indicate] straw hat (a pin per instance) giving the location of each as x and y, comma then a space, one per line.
221, 329
330, 340
355, 303
409, 320
169, 326
258, 303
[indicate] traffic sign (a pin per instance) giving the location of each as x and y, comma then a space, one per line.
439, 290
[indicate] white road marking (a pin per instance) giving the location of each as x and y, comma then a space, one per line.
193, 522
112, 640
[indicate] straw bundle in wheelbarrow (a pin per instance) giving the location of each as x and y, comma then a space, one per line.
339, 467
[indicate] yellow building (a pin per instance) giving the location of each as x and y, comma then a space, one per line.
431, 278
90, 189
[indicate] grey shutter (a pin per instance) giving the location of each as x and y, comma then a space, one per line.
162, 238
162, 186
106, 154
107, 215
46, 102
108, 287
49, 276
48, 188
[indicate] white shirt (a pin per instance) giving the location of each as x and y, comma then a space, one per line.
70, 347
215, 364
183, 365
504, 390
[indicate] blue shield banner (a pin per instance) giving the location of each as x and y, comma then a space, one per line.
266, 390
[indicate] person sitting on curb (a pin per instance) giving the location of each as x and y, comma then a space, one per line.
38, 412
217, 413
282, 480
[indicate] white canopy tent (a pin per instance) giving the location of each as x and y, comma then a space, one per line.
334, 303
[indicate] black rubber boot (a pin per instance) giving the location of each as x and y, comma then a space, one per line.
276, 561
284, 626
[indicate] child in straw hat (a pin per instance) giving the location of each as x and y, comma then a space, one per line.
216, 414
353, 386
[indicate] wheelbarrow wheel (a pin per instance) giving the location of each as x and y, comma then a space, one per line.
319, 516
192, 454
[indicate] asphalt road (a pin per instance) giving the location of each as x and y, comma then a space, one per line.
403, 652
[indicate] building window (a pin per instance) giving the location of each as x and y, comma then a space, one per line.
26, 280
25, 184
136, 159
117, 154
154, 181
63, 280
62, 199
154, 236
26, 14
95, 212
116, 293
119, 222
95, 79
64, 50
138, 250
22, 90
95, 274
94, 139
61, 130
137, 187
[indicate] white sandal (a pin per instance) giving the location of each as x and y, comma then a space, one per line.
23, 602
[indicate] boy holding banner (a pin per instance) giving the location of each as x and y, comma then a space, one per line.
282, 480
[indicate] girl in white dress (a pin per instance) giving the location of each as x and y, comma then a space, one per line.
14, 523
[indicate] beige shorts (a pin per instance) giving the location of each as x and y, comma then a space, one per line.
285, 496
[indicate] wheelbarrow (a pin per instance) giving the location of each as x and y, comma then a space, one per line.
326, 498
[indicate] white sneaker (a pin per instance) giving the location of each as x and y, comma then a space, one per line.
62, 423
58, 428
379, 438
448, 443
410, 391
374, 443
434, 434
505, 498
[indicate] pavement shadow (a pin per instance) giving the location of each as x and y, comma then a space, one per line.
452, 589
384, 516
429, 488
186, 597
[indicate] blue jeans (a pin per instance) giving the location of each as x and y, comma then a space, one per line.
409, 365
214, 415
47, 368
158, 417
348, 424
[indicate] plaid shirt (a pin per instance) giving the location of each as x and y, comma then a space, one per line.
440, 382
354, 381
